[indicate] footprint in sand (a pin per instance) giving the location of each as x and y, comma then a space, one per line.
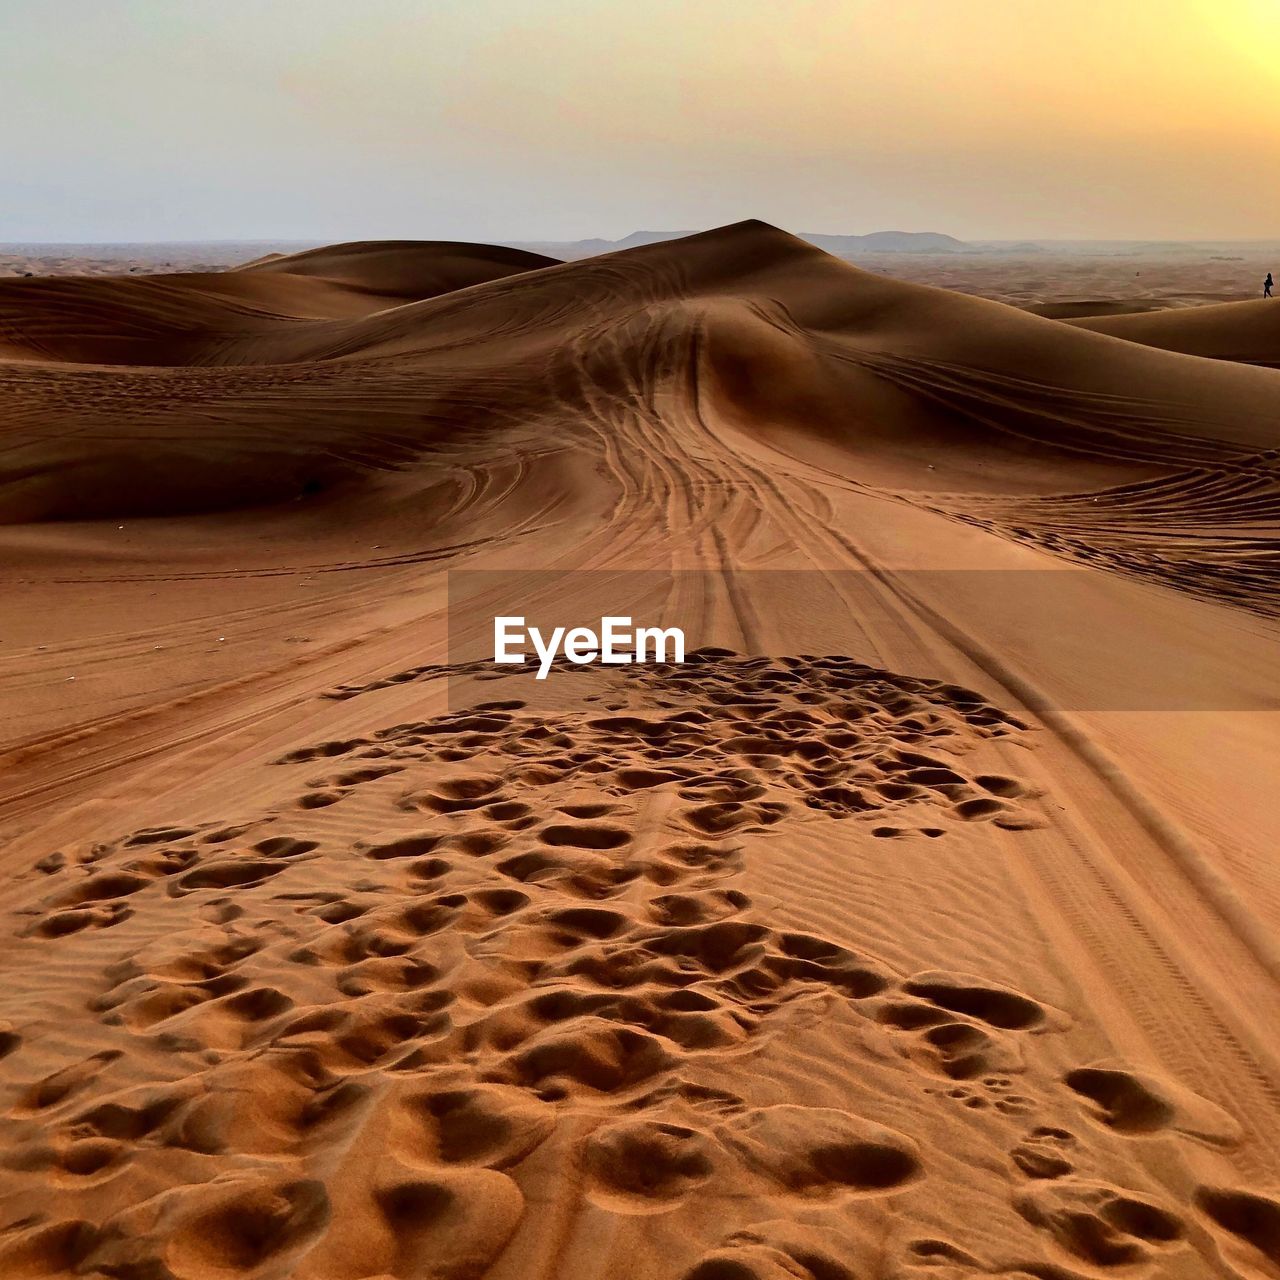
59, 1248
1250, 1219
818, 1152
451, 1225
997, 1006
1101, 1224
648, 1165
1045, 1152
232, 1226
486, 1126
781, 1250
1135, 1103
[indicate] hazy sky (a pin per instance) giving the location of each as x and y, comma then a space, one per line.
559, 119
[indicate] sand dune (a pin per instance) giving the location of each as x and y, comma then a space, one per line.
1245, 331
922, 924
403, 268
230, 317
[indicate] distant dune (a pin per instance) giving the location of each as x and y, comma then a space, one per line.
921, 924
875, 242
220, 317
1247, 332
404, 268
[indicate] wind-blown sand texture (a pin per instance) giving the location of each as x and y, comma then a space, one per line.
922, 925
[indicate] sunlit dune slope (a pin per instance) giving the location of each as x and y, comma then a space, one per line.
1248, 332
230, 317
406, 269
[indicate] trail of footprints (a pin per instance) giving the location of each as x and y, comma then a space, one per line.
527, 951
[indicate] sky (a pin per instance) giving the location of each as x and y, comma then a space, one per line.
155, 120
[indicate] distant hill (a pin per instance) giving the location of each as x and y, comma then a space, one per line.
842, 246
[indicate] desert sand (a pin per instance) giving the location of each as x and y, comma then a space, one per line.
921, 925
26, 260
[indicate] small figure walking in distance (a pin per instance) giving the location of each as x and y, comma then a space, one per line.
1266, 286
